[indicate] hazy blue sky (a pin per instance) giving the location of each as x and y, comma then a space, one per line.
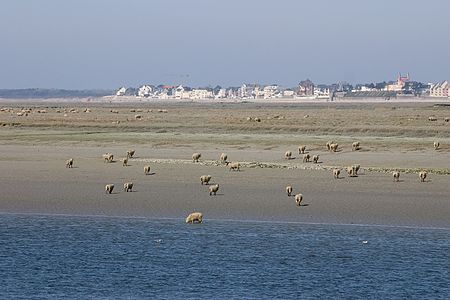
106, 44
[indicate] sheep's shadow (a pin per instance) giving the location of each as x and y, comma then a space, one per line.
306, 204
218, 194
112, 193
149, 174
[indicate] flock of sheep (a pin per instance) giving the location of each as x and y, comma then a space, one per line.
197, 217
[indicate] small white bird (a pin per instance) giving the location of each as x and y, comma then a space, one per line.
364, 242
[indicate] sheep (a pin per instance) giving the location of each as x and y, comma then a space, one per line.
128, 186
301, 149
130, 153
204, 179
328, 144
436, 145
447, 119
125, 162
396, 175
235, 166
306, 157
257, 119
333, 147
114, 111
223, 158
288, 155
109, 188
196, 157
351, 171
69, 163
432, 118
147, 170
423, 175
108, 157
315, 159
355, 146
289, 190
356, 167
138, 117
336, 173
298, 199
195, 217
213, 189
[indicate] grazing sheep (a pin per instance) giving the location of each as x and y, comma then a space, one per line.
69, 163
109, 188
336, 173
333, 147
195, 217
235, 166
130, 153
447, 119
147, 170
213, 189
328, 144
223, 158
196, 157
298, 199
355, 146
306, 157
289, 190
423, 175
436, 145
432, 118
257, 119
288, 155
301, 149
138, 117
351, 171
108, 157
204, 179
356, 167
396, 175
315, 159
128, 186
125, 162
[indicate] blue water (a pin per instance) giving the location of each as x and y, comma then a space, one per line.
68, 257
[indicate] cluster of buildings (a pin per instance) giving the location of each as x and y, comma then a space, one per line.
403, 86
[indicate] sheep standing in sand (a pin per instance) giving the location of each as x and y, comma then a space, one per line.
109, 188
108, 157
288, 155
205, 179
213, 189
196, 157
289, 190
328, 144
356, 167
315, 159
336, 173
69, 163
128, 186
301, 149
306, 157
147, 170
396, 175
423, 176
130, 153
351, 171
334, 147
298, 199
436, 145
223, 158
195, 217
234, 166
355, 146
125, 162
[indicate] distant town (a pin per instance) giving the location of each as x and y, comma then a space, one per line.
402, 87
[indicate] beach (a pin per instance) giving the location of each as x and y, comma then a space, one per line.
34, 179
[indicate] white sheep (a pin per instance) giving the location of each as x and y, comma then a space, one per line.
336, 173
223, 158
334, 147
109, 188
298, 199
328, 144
288, 155
301, 149
69, 163
130, 153
423, 175
356, 167
396, 175
196, 157
195, 217
436, 145
147, 169
108, 157
351, 171
355, 146
233, 166
213, 189
289, 190
125, 162
128, 186
432, 118
204, 179
315, 159
306, 157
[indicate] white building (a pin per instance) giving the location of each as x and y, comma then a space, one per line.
145, 91
222, 93
270, 91
179, 92
440, 89
121, 91
201, 94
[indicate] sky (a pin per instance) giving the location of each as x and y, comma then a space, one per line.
105, 44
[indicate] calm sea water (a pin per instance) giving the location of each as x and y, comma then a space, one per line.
66, 257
